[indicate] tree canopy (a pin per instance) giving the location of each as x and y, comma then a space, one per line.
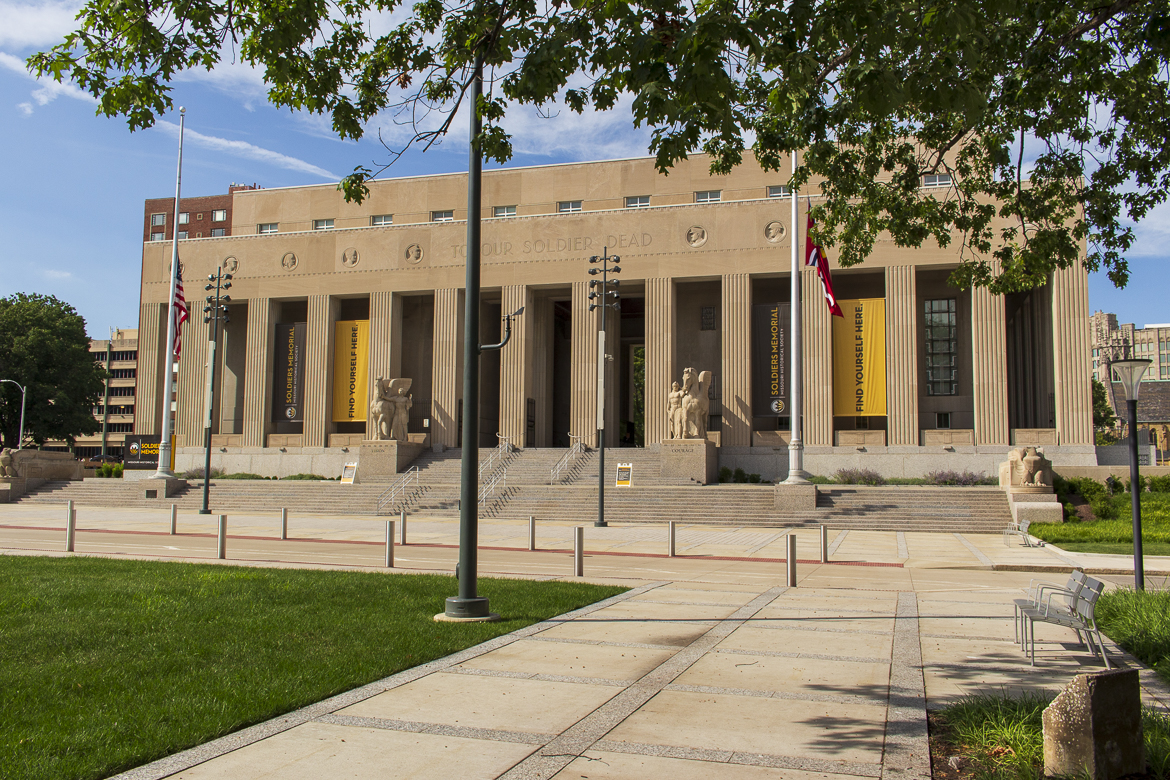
1103, 416
1049, 116
43, 347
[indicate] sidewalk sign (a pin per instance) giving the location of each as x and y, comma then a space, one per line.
349, 473
625, 474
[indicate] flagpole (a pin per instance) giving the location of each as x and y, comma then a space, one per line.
796, 473
164, 447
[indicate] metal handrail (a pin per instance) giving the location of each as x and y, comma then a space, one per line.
498, 455
563, 464
498, 480
505, 444
398, 489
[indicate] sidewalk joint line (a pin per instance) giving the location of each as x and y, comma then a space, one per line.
983, 559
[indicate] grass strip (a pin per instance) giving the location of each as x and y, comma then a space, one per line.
1139, 621
1155, 524
110, 664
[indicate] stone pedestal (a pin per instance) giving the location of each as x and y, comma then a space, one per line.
160, 488
1094, 727
378, 460
694, 459
796, 498
1035, 506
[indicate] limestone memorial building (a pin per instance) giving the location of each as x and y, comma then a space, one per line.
330, 296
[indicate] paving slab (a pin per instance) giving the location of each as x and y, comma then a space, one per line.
753, 637
602, 765
799, 676
603, 662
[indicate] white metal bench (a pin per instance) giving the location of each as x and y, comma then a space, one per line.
1061, 608
1019, 529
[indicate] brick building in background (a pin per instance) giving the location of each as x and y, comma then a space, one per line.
209, 216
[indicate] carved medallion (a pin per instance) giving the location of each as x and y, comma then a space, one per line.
696, 236
774, 231
349, 258
414, 254
230, 264
289, 261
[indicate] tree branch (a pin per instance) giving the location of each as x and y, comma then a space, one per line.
1103, 15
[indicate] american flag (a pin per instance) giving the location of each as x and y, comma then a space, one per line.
815, 256
179, 307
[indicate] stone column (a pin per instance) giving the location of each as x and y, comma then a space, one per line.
148, 400
583, 403
319, 370
735, 347
189, 416
447, 368
516, 365
1071, 356
542, 357
258, 373
661, 324
385, 343
817, 345
901, 356
989, 367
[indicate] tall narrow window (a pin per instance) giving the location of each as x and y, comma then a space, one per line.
708, 196
184, 217
707, 318
158, 219
942, 347
219, 215
218, 232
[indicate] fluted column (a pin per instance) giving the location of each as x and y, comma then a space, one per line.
258, 373
385, 342
735, 347
989, 367
447, 370
152, 320
516, 365
189, 416
583, 403
1071, 356
661, 323
318, 370
817, 349
542, 367
901, 356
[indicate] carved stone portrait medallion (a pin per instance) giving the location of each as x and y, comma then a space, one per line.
230, 265
696, 236
349, 258
414, 254
289, 261
774, 231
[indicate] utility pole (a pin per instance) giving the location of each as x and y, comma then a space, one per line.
608, 288
215, 308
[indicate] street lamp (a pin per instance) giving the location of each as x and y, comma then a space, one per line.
607, 288
23, 394
1131, 372
216, 307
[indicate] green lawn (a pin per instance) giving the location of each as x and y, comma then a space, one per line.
108, 664
1118, 548
1113, 535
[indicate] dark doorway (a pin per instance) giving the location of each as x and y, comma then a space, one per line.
562, 374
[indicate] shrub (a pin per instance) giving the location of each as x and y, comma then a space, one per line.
859, 477
197, 473
740, 475
754, 479
305, 477
959, 478
241, 475
724, 474
1143, 484
1160, 484
110, 470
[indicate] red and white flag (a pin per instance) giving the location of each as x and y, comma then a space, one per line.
180, 310
815, 256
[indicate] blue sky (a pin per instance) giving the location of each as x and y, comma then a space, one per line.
73, 184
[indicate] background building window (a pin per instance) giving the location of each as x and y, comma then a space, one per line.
942, 420
504, 211
942, 347
267, 227
708, 196
184, 217
182, 235
219, 215
382, 219
707, 318
320, 224
217, 232
566, 206
779, 191
158, 219
157, 237
937, 180
637, 201
442, 216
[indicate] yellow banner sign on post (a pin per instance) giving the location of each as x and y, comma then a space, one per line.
351, 353
859, 359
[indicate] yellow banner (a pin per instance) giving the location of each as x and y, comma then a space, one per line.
351, 356
859, 359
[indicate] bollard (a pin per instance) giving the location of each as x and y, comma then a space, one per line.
402, 530
791, 561
579, 551
174, 519
70, 525
824, 544
531, 532
222, 536
670, 539
389, 544
283, 523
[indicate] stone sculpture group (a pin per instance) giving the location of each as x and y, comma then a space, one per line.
390, 409
687, 406
7, 463
1026, 467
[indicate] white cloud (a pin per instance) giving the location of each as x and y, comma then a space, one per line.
48, 90
54, 274
36, 25
246, 150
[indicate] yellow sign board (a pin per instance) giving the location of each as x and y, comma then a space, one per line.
859, 359
351, 354
625, 474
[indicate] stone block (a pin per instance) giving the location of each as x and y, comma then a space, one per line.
160, 488
1094, 727
1035, 507
381, 459
795, 498
40, 464
860, 438
694, 459
948, 437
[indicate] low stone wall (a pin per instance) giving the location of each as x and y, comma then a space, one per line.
268, 461
1102, 473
